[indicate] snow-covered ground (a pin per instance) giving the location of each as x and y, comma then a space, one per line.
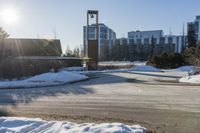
146, 69
122, 63
46, 79
191, 79
115, 63
73, 74
22, 125
186, 68
140, 63
74, 69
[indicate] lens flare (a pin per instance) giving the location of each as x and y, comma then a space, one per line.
9, 15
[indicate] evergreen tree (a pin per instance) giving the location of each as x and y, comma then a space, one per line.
3, 35
152, 45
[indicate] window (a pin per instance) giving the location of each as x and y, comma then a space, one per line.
139, 41
146, 41
131, 41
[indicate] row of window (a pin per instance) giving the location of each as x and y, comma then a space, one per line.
155, 40
102, 36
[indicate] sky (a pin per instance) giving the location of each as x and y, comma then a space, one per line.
66, 18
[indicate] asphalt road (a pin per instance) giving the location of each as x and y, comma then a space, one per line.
154, 100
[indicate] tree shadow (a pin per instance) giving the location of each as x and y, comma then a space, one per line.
27, 95
16, 96
105, 78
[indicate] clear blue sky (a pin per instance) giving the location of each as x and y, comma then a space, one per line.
40, 17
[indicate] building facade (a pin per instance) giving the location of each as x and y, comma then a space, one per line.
106, 38
144, 37
195, 26
179, 41
157, 37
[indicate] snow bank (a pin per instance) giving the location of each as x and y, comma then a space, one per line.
186, 68
146, 69
22, 125
191, 79
115, 63
122, 63
46, 79
140, 63
74, 69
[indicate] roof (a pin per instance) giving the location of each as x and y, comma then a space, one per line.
32, 47
146, 31
49, 58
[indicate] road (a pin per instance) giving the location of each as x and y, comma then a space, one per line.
152, 99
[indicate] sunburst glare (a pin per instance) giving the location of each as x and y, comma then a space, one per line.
9, 15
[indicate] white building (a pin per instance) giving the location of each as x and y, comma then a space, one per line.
106, 39
144, 37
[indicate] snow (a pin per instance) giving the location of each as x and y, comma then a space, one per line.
140, 63
115, 63
146, 69
46, 79
191, 79
122, 63
36, 125
74, 69
186, 68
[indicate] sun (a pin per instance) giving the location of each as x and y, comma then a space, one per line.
9, 15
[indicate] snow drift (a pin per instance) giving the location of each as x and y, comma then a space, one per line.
186, 68
22, 125
46, 79
115, 63
146, 69
74, 69
191, 79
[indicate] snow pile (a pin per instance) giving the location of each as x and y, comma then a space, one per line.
186, 68
191, 79
140, 63
75, 69
46, 79
22, 125
146, 69
115, 63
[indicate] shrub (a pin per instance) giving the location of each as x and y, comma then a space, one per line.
167, 61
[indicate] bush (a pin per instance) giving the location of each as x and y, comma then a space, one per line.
167, 61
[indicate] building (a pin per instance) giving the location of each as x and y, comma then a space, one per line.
14, 47
178, 40
120, 49
106, 39
195, 26
144, 37
157, 37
